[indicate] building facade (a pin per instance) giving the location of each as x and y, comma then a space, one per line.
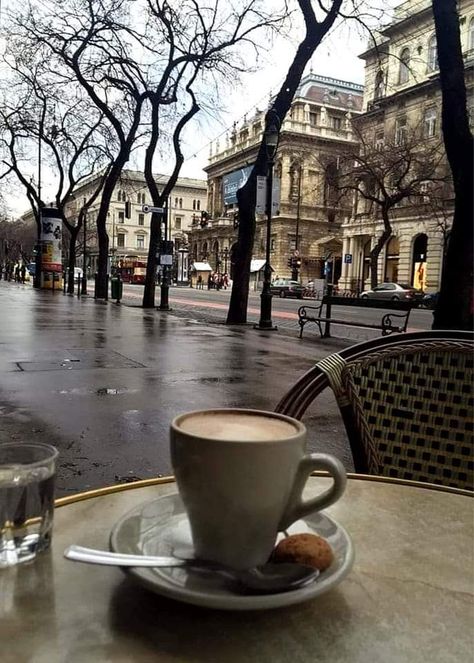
402, 94
317, 130
130, 236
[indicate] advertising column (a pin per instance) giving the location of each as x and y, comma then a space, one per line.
51, 251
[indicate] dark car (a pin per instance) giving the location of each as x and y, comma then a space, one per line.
430, 300
394, 292
287, 288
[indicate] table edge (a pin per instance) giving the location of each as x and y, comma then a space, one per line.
157, 481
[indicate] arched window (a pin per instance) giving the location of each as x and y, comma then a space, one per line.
379, 85
470, 41
139, 197
121, 196
176, 202
180, 203
194, 204
404, 71
198, 205
432, 54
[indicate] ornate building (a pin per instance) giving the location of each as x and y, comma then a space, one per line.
315, 133
402, 92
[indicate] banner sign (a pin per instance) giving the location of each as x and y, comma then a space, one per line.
232, 182
51, 231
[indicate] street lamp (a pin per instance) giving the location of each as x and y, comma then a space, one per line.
225, 255
270, 137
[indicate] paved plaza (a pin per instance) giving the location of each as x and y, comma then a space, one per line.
102, 381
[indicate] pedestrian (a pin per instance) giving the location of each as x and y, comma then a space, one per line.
209, 281
199, 282
17, 273
23, 273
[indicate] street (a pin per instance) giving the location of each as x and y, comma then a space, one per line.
102, 382
201, 304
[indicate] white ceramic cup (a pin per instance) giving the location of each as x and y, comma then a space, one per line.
242, 483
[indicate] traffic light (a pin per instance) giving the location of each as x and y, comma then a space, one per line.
297, 263
236, 220
290, 262
204, 219
128, 209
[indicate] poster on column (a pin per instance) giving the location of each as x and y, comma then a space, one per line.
51, 232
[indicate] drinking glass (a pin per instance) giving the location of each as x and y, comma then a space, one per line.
27, 473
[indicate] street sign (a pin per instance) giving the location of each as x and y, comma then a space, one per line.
166, 259
149, 208
348, 258
261, 194
261, 203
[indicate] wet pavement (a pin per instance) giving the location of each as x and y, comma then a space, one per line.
102, 382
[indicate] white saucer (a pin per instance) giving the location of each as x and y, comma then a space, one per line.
161, 527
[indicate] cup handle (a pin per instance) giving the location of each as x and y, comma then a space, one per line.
296, 508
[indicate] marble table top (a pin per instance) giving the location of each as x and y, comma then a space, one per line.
409, 597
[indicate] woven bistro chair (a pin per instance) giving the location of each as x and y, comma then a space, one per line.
406, 402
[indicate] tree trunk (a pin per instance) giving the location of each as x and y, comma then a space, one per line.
246, 196
375, 252
73, 233
150, 278
455, 304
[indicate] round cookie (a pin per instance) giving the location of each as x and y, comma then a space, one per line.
307, 549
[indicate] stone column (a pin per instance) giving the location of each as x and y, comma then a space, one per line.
350, 272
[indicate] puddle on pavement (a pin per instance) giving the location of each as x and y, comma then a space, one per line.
101, 391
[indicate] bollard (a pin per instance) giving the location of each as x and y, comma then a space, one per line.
64, 283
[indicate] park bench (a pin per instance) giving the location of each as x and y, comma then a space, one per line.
396, 321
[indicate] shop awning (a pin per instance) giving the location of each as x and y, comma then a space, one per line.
201, 267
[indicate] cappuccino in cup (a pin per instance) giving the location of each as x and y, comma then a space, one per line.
241, 474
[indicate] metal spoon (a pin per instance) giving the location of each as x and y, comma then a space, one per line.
266, 579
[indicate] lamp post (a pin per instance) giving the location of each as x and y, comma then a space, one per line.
225, 255
295, 272
271, 137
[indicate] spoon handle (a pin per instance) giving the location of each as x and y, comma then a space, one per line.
91, 556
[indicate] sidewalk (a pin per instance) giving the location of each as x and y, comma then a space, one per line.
102, 382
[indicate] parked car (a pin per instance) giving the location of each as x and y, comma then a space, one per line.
394, 292
287, 288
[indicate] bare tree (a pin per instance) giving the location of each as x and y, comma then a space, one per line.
201, 43
406, 168
315, 30
455, 307
71, 137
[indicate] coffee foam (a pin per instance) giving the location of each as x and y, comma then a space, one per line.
237, 426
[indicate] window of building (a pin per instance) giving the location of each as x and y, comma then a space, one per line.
432, 54
140, 241
336, 122
139, 197
121, 196
177, 222
470, 40
143, 198
120, 240
313, 119
121, 217
194, 204
379, 85
176, 202
429, 123
272, 243
141, 219
198, 205
379, 140
404, 70
400, 131
180, 203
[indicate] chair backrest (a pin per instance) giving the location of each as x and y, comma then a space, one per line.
407, 404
